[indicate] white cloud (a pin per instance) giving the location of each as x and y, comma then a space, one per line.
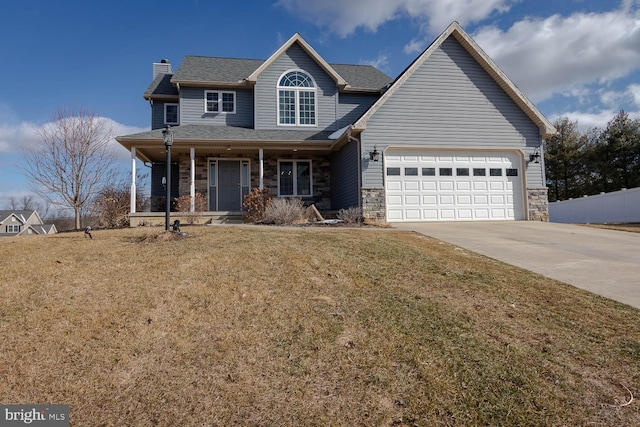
15, 137
634, 92
560, 54
345, 17
596, 119
380, 62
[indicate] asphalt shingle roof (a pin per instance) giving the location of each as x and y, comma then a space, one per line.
231, 133
161, 86
233, 70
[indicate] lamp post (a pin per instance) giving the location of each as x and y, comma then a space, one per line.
167, 137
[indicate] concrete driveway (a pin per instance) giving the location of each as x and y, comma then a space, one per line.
605, 262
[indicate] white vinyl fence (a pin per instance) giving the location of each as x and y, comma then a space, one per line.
617, 207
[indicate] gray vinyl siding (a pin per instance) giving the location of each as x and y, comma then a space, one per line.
345, 192
192, 109
450, 101
157, 115
351, 106
266, 102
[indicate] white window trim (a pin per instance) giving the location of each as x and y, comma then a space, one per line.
177, 113
295, 180
297, 90
220, 93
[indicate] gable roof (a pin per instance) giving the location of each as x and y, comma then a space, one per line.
236, 72
39, 229
22, 216
456, 31
297, 38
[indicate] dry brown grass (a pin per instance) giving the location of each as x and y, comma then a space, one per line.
266, 326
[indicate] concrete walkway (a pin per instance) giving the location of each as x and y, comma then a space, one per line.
605, 262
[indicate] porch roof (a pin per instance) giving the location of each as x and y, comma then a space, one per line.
227, 138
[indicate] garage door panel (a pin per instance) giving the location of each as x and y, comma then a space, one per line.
429, 185
446, 199
480, 186
449, 186
481, 213
412, 200
394, 186
497, 199
496, 186
446, 185
394, 200
411, 186
463, 185
465, 214
463, 200
480, 199
429, 200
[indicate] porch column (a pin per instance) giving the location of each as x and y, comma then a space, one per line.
261, 155
132, 193
192, 189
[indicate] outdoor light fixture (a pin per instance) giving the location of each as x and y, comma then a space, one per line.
167, 137
374, 155
535, 156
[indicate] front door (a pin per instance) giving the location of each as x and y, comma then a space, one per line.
229, 188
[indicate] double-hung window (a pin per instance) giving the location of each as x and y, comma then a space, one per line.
296, 99
171, 114
219, 102
294, 178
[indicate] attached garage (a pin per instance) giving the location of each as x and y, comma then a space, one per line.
427, 185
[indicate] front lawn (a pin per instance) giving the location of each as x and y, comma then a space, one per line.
264, 326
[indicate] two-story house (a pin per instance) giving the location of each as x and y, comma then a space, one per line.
21, 222
451, 138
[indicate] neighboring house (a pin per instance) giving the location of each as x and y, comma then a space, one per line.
452, 138
16, 223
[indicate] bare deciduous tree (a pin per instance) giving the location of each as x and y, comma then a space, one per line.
73, 159
29, 203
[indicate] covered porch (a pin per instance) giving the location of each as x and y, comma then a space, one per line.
299, 164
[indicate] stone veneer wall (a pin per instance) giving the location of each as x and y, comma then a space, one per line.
373, 204
320, 166
538, 204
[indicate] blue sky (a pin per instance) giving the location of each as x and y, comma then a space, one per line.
579, 58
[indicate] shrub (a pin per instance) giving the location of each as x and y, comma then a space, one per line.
286, 212
350, 215
183, 205
255, 205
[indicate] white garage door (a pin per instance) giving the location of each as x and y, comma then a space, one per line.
453, 186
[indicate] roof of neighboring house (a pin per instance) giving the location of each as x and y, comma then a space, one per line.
23, 216
40, 229
456, 31
229, 133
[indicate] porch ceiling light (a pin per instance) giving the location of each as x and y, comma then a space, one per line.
374, 155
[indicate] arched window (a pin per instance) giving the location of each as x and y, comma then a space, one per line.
296, 99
